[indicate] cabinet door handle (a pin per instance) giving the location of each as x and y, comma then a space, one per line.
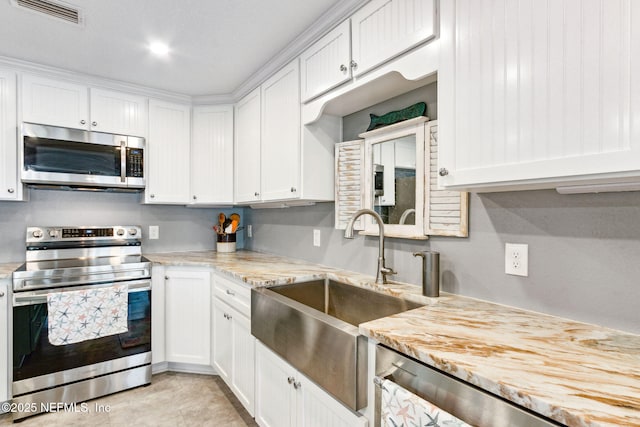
83, 122
293, 189
166, 277
256, 194
229, 292
297, 385
1, 294
353, 64
343, 68
195, 197
11, 190
152, 196
94, 123
291, 380
443, 172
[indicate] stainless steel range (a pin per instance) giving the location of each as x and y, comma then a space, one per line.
81, 316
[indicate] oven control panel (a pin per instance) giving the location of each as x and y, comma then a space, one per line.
62, 234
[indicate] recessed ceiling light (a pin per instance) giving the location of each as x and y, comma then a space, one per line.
159, 48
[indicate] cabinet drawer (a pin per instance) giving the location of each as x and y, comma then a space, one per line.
235, 294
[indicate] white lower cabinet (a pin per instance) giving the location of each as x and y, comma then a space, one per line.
233, 344
4, 339
285, 397
187, 315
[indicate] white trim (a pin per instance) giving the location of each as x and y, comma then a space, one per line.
91, 80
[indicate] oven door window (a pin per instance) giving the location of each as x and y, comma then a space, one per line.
49, 155
33, 355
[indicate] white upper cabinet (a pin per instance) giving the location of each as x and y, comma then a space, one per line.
117, 112
9, 188
375, 34
168, 160
326, 64
383, 29
247, 148
212, 155
539, 94
53, 102
58, 103
280, 145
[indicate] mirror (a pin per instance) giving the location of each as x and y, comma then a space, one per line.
394, 178
394, 190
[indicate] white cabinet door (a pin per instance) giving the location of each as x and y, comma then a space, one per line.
285, 397
280, 165
167, 170
316, 408
158, 334
275, 395
212, 155
9, 188
117, 112
4, 340
243, 368
222, 340
326, 64
383, 29
536, 94
55, 103
247, 148
188, 316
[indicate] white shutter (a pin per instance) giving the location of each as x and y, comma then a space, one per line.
349, 185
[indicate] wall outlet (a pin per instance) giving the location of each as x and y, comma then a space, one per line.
316, 237
154, 232
249, 231
516, 259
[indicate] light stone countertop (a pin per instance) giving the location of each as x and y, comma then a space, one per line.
575, 373
7, 269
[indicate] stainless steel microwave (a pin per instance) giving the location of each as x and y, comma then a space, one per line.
60, 156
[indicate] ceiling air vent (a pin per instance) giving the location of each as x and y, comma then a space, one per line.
57, 10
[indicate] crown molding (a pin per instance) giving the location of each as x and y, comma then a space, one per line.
226, 98
338, 13
91, 80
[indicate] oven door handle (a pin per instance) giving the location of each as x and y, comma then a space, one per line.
40, 297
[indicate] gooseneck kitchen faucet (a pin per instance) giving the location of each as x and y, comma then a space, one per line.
383, 271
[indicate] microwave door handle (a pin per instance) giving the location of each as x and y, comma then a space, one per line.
123, 161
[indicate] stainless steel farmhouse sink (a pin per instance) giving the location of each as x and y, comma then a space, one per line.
314, 326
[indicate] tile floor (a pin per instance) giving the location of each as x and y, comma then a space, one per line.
172, 399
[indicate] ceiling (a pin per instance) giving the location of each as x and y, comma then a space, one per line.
216, 45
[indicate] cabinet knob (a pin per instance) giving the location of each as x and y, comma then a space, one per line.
297, 385
230, 292
256, 194
1, 294
354, 64
290, 380
293, 189
343, 68
195, 197
10, 190
166, 277
152, 195
83, 122
94, 123
443, 172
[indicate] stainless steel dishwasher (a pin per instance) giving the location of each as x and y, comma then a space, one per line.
464, 401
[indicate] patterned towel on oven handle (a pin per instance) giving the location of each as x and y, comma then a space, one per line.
400, 407
76, 316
